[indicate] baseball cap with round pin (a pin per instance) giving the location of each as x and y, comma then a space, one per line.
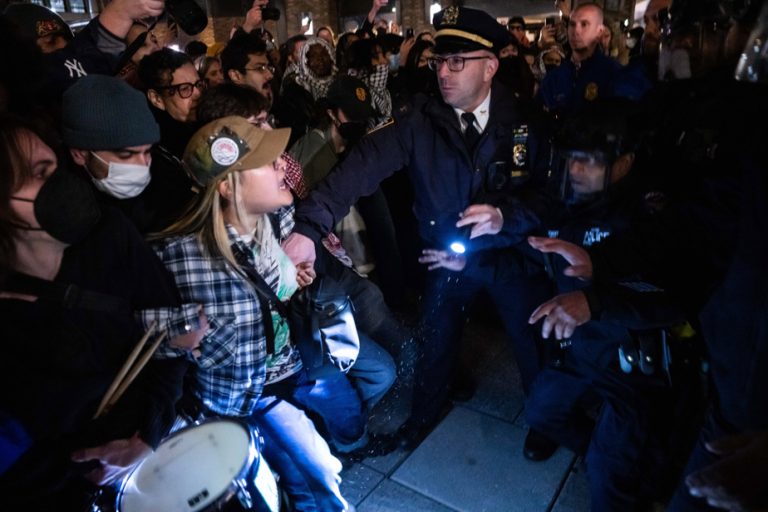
231, 144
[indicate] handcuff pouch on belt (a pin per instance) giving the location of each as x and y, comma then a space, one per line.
647, 352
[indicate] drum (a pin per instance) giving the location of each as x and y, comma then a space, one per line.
213, 465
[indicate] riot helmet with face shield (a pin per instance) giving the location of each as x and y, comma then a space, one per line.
594, 150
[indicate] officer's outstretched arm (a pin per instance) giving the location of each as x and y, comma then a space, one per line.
578, 258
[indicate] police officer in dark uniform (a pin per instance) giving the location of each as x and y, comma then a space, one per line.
459, 151
614, 359
712, 244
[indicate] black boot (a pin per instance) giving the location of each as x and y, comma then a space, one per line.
538, 447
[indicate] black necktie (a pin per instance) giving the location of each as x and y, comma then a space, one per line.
471, 135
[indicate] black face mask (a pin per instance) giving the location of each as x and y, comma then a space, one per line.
550, 67
352, 131
65, 207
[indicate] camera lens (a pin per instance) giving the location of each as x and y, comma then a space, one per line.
270, 13
190, 17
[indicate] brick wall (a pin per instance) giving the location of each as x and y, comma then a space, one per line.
218, 29
323, 13
413, 15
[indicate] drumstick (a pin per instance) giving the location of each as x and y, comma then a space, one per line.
135, 371
124, 370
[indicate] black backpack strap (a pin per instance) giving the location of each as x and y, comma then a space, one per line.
268, 299
70, 295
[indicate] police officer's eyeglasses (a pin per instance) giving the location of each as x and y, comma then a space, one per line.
455, 62
184, 90
262, 68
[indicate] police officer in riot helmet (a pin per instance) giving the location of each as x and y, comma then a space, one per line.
712, 247
601, 198
596, 151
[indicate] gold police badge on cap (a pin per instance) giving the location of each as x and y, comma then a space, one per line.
450, 15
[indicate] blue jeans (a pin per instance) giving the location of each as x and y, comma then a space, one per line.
300, 456
332, 401
373, 373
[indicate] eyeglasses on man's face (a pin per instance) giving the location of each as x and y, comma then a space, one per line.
455, 62
184, 90
261, 68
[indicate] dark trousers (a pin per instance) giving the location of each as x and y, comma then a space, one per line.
622, 446
700, 457
447, 298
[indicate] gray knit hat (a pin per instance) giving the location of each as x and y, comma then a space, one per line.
101, 112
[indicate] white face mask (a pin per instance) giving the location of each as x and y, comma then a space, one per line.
394, 62
123, 181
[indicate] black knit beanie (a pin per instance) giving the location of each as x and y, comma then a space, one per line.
101, 112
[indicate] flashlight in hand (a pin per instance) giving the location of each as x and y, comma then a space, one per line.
460, 242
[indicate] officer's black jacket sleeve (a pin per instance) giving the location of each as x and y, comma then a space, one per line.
523, 213
376, 157
633, 304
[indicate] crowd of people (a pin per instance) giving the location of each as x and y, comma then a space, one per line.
612, 209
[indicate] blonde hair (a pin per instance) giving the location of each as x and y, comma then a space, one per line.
206, 219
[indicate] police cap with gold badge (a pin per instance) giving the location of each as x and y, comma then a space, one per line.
461, 29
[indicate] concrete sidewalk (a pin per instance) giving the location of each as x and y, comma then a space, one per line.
472, 461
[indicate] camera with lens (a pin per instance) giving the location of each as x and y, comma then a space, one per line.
267, 13
188, 14
270, 13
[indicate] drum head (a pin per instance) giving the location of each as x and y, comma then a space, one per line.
190, 470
